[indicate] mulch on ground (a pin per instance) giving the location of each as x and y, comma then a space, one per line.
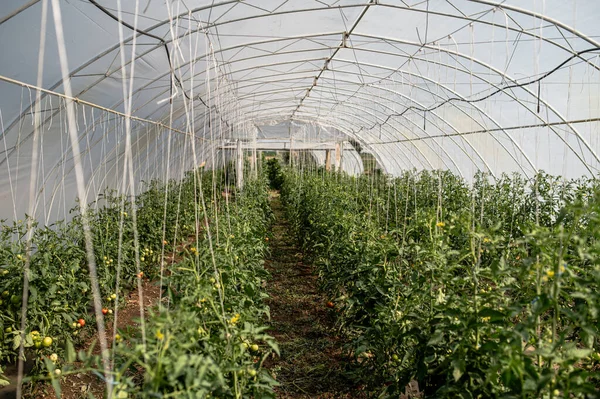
312, 363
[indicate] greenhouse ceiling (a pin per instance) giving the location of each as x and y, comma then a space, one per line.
100, 93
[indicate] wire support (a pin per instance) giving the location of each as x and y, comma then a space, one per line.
498, 129
172, 75
476, 100
93, 105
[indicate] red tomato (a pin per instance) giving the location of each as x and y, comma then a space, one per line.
81, 322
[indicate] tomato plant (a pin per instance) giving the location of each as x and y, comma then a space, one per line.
486, 289
216, 286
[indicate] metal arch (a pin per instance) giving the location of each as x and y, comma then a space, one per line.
402, 134
443, 119
510, 95
437, 83
514, 97
390, 157
357, 117
350, 134
541, 119
470, 145
438, 144
372, 99
216, 5
458, 95
458, 108
363, 120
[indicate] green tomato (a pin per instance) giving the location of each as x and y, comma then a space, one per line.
254, 348
37, 344
8, 330
251, 372
15, 300
5, 294
47, 341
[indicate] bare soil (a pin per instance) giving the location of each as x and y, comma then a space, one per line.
312, 362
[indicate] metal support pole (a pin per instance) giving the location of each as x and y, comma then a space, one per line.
254, 155
239, 170
291, 152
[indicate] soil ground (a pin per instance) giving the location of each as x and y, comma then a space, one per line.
312, 364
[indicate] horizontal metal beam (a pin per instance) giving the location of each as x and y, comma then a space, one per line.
276, 145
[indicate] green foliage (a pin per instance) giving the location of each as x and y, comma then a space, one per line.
274, 173
197, 341
200, 340
489, 290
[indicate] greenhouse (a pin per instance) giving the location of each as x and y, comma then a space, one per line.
300, 199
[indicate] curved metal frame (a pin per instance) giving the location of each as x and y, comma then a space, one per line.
420, 45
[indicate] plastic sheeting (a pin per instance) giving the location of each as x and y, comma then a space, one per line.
497, 86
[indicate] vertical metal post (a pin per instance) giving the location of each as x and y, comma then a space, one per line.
239, 170
291, 152
338, 156
328, 160
253, 164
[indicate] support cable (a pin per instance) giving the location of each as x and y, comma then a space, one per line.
588, 120
93, 105
500, 90
164, 43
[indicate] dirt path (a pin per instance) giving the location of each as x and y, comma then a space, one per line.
311, 363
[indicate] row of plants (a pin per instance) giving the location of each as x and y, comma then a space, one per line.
209, 339
212, 293
482, 290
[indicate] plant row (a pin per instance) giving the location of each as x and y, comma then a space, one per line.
489, 289
206, 333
